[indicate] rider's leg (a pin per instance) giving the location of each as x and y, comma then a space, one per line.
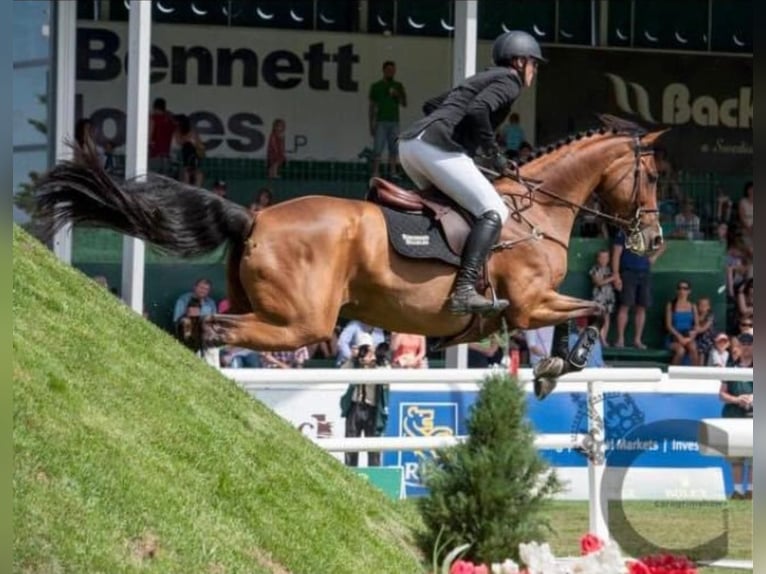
456, 175
465, 299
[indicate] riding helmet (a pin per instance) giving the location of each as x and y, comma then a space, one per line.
515, 44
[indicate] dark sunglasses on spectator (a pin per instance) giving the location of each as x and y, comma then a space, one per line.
683, 287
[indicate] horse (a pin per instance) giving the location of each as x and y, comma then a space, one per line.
296, 266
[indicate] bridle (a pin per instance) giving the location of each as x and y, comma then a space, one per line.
520, 202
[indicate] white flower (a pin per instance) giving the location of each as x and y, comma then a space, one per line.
507, 567
539, 558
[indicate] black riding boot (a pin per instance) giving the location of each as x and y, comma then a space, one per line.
465, 300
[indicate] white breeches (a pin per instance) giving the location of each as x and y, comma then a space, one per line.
454, 173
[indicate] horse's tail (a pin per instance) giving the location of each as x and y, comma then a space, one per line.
177, 218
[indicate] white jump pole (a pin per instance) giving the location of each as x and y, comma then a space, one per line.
406, 443
598, 521
726, 437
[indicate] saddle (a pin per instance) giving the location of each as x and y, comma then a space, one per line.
430, 213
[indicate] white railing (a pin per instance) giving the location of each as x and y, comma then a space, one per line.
471, 379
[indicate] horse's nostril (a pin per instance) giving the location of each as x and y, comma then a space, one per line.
657, 242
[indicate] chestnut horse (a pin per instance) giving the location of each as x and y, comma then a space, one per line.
296, 266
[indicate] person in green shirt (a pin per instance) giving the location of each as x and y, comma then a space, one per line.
386, 95
737, 398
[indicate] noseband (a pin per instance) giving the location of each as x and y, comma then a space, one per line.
518, 203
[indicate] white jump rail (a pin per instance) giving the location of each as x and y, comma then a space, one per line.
729, 439
732, 438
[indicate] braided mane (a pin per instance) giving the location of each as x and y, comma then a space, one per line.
609, 124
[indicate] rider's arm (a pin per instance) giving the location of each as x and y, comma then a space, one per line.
433, 103
502, 92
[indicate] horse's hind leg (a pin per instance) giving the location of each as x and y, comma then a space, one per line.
253, 332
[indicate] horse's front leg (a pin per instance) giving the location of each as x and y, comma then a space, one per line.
559, 310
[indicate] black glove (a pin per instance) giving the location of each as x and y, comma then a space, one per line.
496, 161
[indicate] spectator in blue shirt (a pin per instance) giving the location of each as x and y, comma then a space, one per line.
349, 334
201, 292
632, 281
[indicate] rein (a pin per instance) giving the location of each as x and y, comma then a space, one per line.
516, 211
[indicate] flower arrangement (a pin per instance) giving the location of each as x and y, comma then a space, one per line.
596, 557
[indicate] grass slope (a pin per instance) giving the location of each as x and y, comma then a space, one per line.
131, 455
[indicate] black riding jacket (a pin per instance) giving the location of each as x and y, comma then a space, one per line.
465, 118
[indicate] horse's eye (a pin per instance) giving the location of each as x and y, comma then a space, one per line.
652, 177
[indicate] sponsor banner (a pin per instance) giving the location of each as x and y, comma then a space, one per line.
315, 413
234, 82
642, 430
707, 100
389, 479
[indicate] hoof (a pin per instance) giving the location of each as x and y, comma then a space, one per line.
212, 334
546, 373
544, 387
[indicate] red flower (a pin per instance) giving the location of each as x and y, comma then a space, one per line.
590, 543
462, 567
667, 564
481, 569
638, 567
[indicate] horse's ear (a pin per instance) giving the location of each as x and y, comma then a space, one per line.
650, 138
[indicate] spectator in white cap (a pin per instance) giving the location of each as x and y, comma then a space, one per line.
348, 335
363, 405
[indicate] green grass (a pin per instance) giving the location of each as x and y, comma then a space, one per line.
132, 455
675, 527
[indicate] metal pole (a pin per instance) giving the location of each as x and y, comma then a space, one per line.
66, 57
603, 35
139, 49
463, 66
464, 45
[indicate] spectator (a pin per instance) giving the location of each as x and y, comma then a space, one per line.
386, 96
736, 269
350, 333
745, 300
263, 199
365, 406
408, 351
191, 151
189, 325
285, 359
722, 232
633, 282
514, 136
687, 223
737, 397
219, 188
704, 338
539, 343
603, 288
719, 354
276, 155
745, 213
525, 151
682, 323
723, 207
162, 126
85, 136
746, 325
201, 292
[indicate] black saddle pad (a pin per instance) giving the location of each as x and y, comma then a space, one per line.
417, 236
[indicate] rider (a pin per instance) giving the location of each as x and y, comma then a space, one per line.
460, 125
